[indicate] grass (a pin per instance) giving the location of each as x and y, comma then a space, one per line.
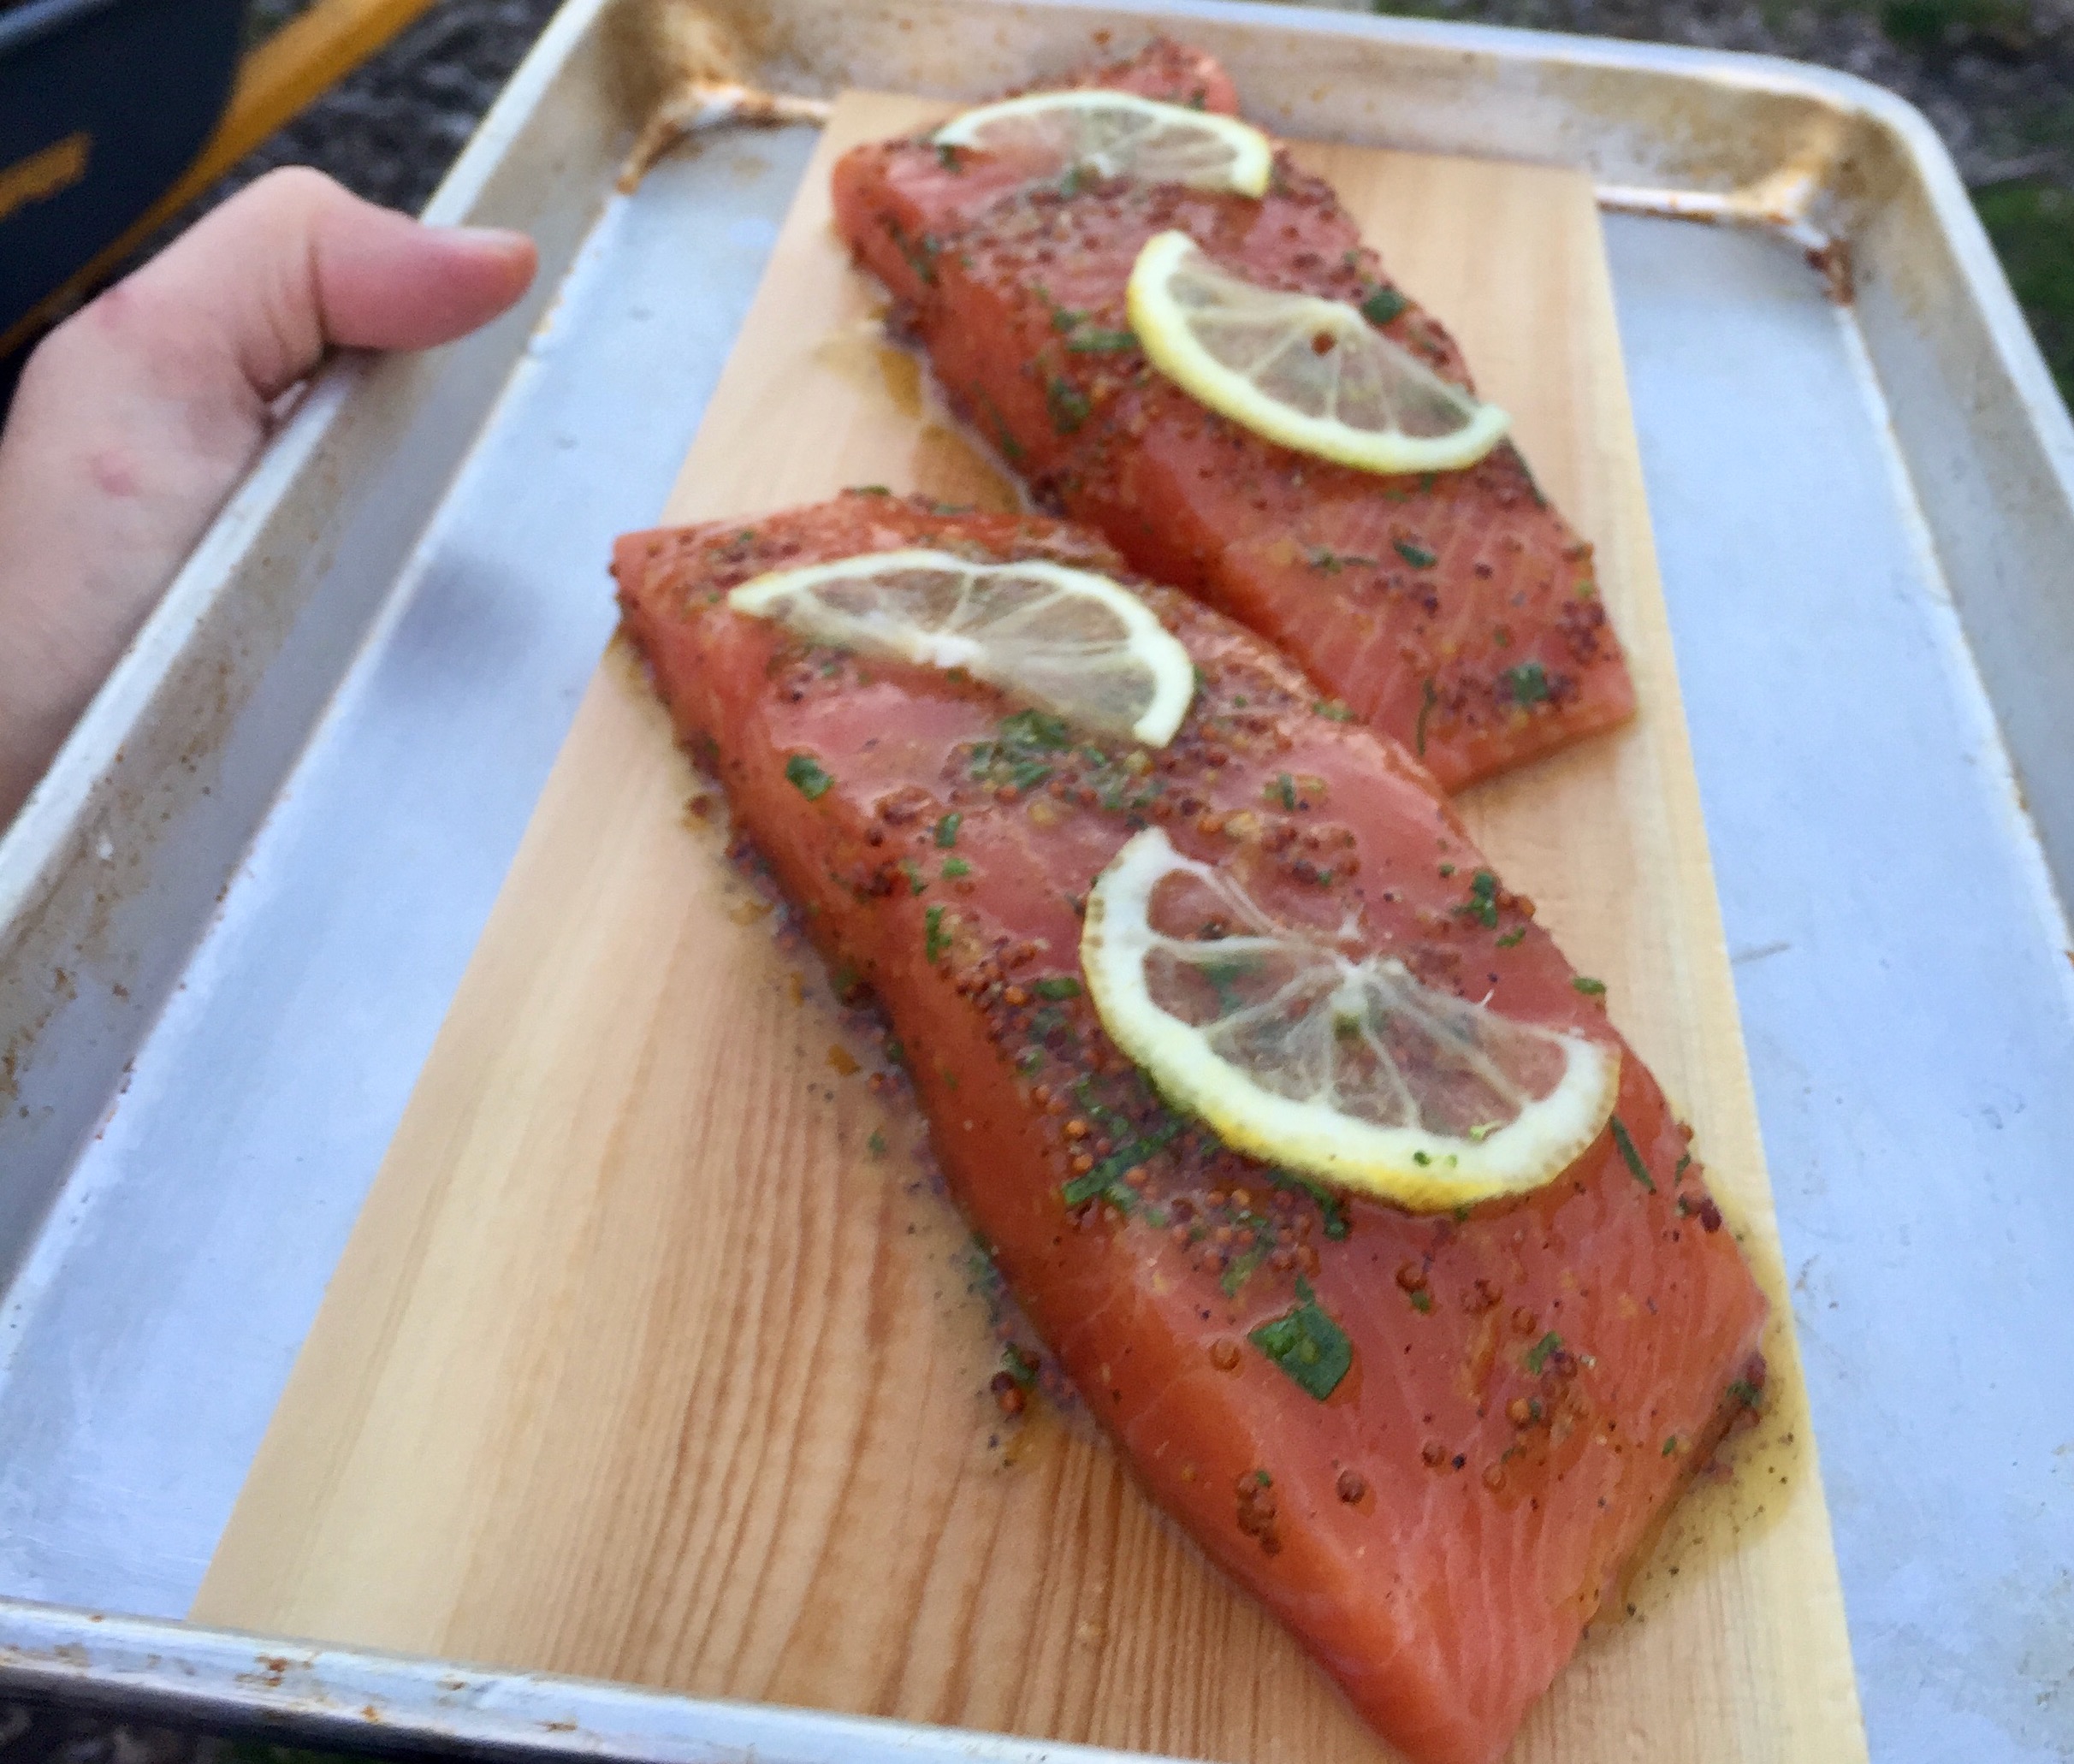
2031, 222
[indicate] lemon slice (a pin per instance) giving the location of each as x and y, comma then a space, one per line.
1075, 643
1341, 1065
1119, 134
1309, 373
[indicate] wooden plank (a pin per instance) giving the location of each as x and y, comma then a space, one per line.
642, 1363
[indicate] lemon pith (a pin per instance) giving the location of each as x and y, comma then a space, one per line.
1120, 134
1309, 1076
1076, 643
1311, 374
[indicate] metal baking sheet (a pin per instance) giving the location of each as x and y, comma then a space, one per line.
231, 919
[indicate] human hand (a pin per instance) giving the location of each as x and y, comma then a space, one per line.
137, 417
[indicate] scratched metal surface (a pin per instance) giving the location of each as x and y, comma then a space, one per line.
1862, 515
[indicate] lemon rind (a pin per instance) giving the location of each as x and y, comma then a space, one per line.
787, 596
1172, 348
1303, 1135
1252, 154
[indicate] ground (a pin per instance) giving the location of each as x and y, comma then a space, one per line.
1995, 77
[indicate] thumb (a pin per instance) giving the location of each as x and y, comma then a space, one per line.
295, 264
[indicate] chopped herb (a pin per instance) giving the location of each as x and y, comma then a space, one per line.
1447, 869
807, 778
1323, 557
1483, 902
1670, 1445
1058, 985
1591, 988
1066, 402
1308, 1345
1420, 1159
1422, 1301
1747, 1393
1384, 304
895, 1048
1512, 936
1029, 1060
1241, 1269
1426, 695
1414, 553
946, 831
1106, 1178
913, 873
1685, 1163
920, 254
1537, 1355
1632, 1158
876, 1144
1333, 709
1101, 342
1003, 437
1282, 790
1331, 1209
1021, 756
946, 157
936, 944
1525, 685
1019, 1365
955, 868
873, 490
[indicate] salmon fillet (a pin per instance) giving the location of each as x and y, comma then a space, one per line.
1456, 612
1531, 1383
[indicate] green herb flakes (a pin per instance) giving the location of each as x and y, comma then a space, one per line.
1058, 985
1483, 902
1333, 710
1525, 685
912, 871
1067, 403
946, 831
1422, 1302
947, 157
1101, 342
956, 866
1414, 553
1629, 1156
1383, 305
1670, 1445
1332, 1211
807, 778
1426, 697
1539, 1354
1591, 988
1747, 1393
1308, 1345
876, 1144
1512, 937
936, 944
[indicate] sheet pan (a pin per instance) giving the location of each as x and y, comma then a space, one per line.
231, 919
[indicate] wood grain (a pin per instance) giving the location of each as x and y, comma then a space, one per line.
640, 1364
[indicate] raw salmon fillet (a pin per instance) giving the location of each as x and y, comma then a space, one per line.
1531, 1382
1456, 611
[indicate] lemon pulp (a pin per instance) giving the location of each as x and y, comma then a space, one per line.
1311, 374
1120, 134
1074, 643
1344, 1066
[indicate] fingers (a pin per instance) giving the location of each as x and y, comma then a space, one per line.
294, 264
135, 418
